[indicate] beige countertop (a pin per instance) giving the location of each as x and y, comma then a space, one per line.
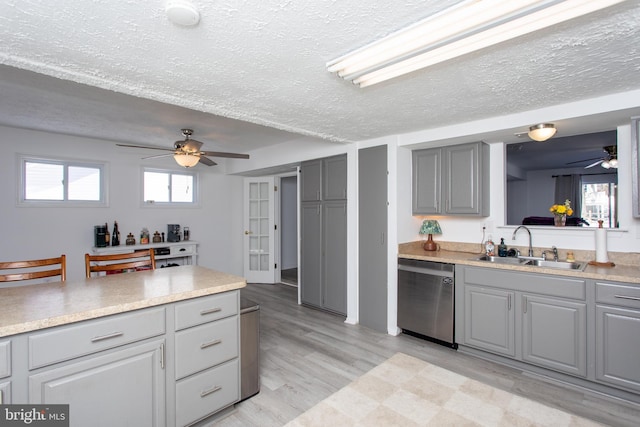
33, 307
618, 273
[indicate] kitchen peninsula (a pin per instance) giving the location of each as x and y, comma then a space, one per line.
150, 348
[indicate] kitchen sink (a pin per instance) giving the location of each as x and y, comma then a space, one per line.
503, 260
563, 265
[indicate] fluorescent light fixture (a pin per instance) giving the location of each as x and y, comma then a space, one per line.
468, 26
187, 160
542, 132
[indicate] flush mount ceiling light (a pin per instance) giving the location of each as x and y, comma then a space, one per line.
182, 12
542, 132
466, 27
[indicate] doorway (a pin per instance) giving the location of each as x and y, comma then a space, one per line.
289, 230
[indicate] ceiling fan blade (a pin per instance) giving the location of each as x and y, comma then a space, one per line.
158, 156
207, 161
150, 147
594, 164
585, 160
221, 154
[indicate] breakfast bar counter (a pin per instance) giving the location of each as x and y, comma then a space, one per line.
33, 307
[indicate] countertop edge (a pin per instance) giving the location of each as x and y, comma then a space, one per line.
629, 274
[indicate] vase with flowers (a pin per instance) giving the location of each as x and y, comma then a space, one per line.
560, 213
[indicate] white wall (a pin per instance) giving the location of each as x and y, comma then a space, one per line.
35, 232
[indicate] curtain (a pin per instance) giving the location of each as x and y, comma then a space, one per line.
569, 187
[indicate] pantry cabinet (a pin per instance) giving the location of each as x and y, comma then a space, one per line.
323, 229
451, 180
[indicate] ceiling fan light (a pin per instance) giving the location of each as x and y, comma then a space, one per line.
613, 163
186, 159
542, 131
605, 164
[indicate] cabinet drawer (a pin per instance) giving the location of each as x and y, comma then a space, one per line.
5, 358
625, 296
557, 286
91, 336
185, 250
206, 309
207, 345
207, 392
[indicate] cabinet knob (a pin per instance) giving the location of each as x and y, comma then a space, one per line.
247, 232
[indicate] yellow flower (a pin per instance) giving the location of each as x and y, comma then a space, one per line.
564, 209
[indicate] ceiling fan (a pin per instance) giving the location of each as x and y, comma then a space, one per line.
607, 162
187, 153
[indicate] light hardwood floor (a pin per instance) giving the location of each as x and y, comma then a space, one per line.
307, 355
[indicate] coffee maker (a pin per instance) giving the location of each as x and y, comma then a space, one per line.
173, 232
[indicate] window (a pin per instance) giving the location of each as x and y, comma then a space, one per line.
599, 200
62, 182
167, 187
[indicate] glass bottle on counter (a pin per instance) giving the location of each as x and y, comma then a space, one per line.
115, 237
107, 236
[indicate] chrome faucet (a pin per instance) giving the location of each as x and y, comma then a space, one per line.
554, 250
528, 231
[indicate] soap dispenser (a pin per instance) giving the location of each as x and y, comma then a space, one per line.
502, 248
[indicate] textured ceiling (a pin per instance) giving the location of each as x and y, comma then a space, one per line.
262, 64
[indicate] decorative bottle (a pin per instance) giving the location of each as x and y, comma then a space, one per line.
107, 236
115, 238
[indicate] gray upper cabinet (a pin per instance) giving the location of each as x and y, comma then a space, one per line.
311, 181
451, 180
335, 178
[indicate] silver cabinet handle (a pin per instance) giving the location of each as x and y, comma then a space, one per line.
509, 303
162, 356
209, 344
627, 297
107, 336
210, 311
524, 304
211, 390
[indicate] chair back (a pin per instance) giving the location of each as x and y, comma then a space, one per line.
33, 269
120, 263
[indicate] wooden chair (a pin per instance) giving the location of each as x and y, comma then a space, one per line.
34, 269
119, 263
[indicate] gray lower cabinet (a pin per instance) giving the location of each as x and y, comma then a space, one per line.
554, 333
130, 382
451, 180
323, 255
334, 265
489, 319
171, 365
538, 319
311, 253
618, 335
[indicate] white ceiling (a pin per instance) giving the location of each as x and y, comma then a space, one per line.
252, 73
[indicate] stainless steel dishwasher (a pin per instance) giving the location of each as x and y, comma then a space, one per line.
426, 300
